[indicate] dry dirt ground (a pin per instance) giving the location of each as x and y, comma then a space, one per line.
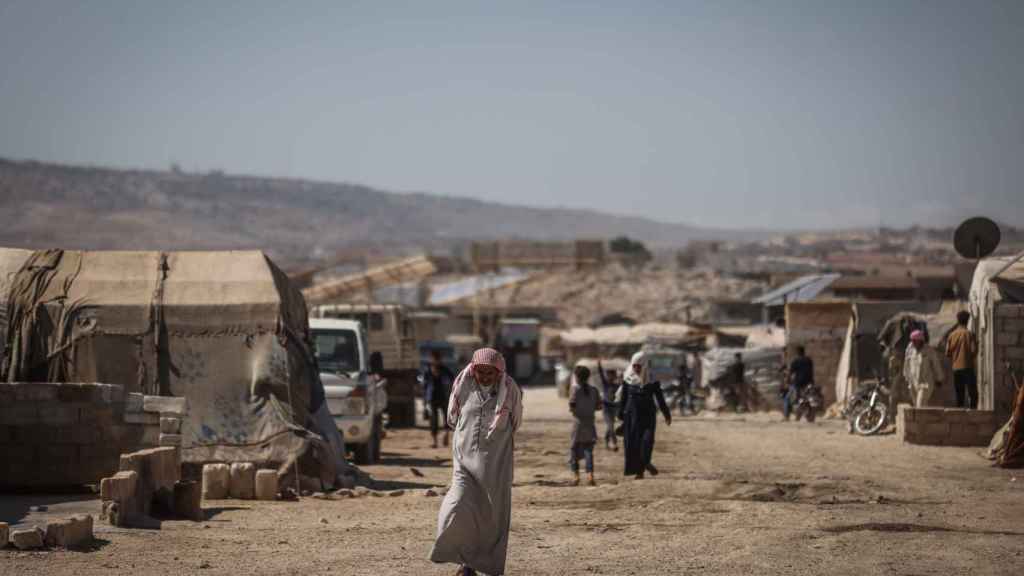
736, 496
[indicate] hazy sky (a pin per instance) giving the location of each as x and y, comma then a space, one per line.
772, 114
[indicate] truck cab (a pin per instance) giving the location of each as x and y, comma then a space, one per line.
356, 394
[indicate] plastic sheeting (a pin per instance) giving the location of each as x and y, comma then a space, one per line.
225, 330
763, 368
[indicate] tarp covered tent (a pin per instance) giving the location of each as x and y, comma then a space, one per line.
225, 330
762, 369
996, 281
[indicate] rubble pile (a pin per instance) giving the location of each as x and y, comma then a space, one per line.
650, 294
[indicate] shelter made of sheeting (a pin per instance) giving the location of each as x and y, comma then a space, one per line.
226, 330
997, 281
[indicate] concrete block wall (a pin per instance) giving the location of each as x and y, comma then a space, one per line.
1008, 346
67, 434
945, 426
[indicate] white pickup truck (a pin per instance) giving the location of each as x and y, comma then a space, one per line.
355, 399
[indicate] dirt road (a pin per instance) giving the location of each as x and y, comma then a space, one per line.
736, 496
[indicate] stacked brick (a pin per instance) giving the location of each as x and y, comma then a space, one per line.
945, 426
149, 484
73, 532
1008, 347
67, 434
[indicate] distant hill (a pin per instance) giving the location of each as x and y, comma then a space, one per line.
48, 205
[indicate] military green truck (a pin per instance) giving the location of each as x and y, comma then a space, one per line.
389, 333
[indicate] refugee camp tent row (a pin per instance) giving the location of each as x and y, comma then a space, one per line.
225, 330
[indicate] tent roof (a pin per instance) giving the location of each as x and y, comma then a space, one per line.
1008, 285
626, 335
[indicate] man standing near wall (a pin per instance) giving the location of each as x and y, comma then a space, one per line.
923, 369
962, 349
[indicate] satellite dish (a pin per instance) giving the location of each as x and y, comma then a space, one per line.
976, 238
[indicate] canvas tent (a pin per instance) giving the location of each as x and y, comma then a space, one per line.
763, 370
225, 330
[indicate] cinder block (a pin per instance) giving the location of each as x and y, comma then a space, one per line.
936, 430
1007, 338
80, 434
1014, 353
119, 487
71, 532
150, 436
133, 402
21, 413
144, 418
57, 414
170, 425
1008, 311
59, 465
30, 539
35, 391
165, 405
170, 439
188, 500
905, 412
243, 481
216, 481
266, 485
1013, 325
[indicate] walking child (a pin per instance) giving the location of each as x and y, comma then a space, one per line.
584, 400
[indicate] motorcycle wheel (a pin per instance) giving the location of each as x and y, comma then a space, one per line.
811, 415
870, 420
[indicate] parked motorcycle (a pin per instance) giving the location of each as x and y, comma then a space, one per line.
684, 399
810, 402
868, 411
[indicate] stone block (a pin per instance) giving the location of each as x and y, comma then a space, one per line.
59, 465
120, 486
1007, 338
21, 413
188, 500
935, 430
266, 485
76, 434
905, 412
158, 470
133, 403
243, 481
170, 439
216, 481
29, 539
144, 418
1008, 311
928, 415
71, 532
5, 534
170, 425
35, 391
1013, 325
165, 405
1014, 353
58, 414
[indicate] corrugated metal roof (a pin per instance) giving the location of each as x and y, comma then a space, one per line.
466, 287
802, 289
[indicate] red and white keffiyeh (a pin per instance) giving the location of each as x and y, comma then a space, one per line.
509, 407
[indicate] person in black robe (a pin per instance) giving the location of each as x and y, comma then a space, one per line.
636, 400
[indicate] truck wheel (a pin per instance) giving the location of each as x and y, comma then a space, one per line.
375, 439
361, 453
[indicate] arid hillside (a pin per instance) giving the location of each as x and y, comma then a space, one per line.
43, 205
